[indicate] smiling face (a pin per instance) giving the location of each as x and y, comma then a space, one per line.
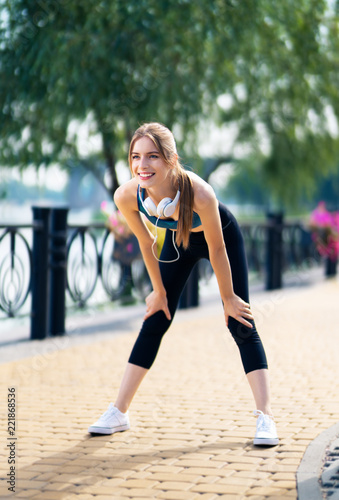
147, 164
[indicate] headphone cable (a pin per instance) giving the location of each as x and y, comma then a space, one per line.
174, 244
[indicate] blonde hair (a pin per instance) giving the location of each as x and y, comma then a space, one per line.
164, 141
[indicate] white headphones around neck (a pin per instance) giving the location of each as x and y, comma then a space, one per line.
165, 208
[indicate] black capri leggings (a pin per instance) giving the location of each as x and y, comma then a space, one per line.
175, 275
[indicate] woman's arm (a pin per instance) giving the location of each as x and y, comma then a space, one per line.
125, 199
206, 204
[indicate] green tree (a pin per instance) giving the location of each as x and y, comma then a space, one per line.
280, 77
113, 65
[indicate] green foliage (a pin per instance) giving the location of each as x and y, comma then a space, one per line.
248, 185
281, 79
117, 64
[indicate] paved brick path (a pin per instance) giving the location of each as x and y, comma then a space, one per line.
192, 426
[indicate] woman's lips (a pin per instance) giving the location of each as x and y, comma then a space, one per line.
145, 176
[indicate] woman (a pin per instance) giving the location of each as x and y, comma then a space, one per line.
198, 226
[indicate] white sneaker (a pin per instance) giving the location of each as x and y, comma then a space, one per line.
111, 421
266, 433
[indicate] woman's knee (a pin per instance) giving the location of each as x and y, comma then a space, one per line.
241, 333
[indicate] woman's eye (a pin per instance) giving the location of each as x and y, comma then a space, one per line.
153, 156
134, 157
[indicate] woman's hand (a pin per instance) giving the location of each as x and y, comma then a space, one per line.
238, 309
155, 302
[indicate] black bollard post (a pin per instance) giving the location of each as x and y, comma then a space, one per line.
190, 294
331, 267
40, 281
274, 251
58, 271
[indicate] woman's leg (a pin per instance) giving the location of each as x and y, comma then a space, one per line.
131, 380
174, 276
249, 343
260, 385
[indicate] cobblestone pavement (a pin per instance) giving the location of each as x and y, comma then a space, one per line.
192, 423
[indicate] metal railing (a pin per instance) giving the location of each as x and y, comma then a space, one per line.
80, 259
95, 253
276, 247
15, 268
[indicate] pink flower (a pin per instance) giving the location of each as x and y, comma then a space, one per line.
320, 216
325, 231
113, 220
336, 221
103, 206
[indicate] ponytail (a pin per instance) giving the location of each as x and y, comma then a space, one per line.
185, 207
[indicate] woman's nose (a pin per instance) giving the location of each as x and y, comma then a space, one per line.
143, 162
